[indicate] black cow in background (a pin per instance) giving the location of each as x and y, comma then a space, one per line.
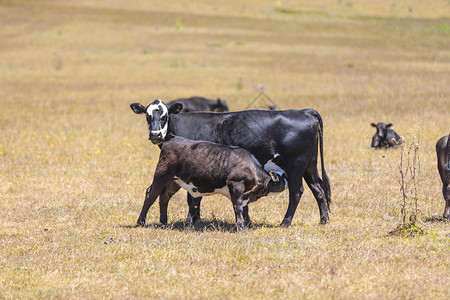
286, 142
200, 104
385, 137
443, 162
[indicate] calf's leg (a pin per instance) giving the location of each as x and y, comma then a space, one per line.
152, 192
237, 190
150, 196
194, 209
164, 198
246, 216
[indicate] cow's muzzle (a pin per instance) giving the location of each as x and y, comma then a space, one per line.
156, 140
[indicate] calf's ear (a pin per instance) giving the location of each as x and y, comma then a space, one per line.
274, 176
373, 125
388, 125
137, 108
175, 108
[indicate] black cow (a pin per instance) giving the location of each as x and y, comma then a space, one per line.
200, 104
205, 168
282, 141
443, 162
385, 137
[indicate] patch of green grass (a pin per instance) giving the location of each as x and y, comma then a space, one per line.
178, 25
298, 12
216, 44
441, 28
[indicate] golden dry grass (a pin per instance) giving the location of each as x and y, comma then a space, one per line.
74, 159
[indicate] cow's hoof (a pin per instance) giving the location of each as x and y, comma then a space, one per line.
286, 222
140, 223
240, 228
324, 221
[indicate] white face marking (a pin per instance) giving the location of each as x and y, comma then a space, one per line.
192, 189
158, 108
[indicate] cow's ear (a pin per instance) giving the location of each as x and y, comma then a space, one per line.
388, 125
274, 176
175, 108
137, 108
373, 125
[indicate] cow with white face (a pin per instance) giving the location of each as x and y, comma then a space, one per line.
157, 118
286, 142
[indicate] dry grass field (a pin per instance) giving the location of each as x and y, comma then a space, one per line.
75, 160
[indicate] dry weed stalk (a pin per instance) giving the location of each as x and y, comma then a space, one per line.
409, 168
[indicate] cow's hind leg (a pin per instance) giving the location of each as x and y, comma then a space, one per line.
164, 198
317, 187
194, 209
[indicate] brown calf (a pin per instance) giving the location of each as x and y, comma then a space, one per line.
205, 168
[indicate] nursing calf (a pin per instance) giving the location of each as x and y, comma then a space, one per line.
205, 168
443, 159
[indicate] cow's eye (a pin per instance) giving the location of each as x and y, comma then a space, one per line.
164, 118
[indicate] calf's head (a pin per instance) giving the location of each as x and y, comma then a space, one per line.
379, 138
157, 115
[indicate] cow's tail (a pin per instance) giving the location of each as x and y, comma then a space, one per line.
447, 157
326, 182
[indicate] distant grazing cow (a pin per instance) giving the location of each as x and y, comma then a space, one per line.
286, 141
200, 104
205, 168
385, 137
443, 162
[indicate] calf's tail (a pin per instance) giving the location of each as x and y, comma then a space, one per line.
325, 179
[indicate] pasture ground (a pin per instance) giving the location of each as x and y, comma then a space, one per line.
75, 160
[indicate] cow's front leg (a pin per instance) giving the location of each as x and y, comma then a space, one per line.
194, 209
295, 193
